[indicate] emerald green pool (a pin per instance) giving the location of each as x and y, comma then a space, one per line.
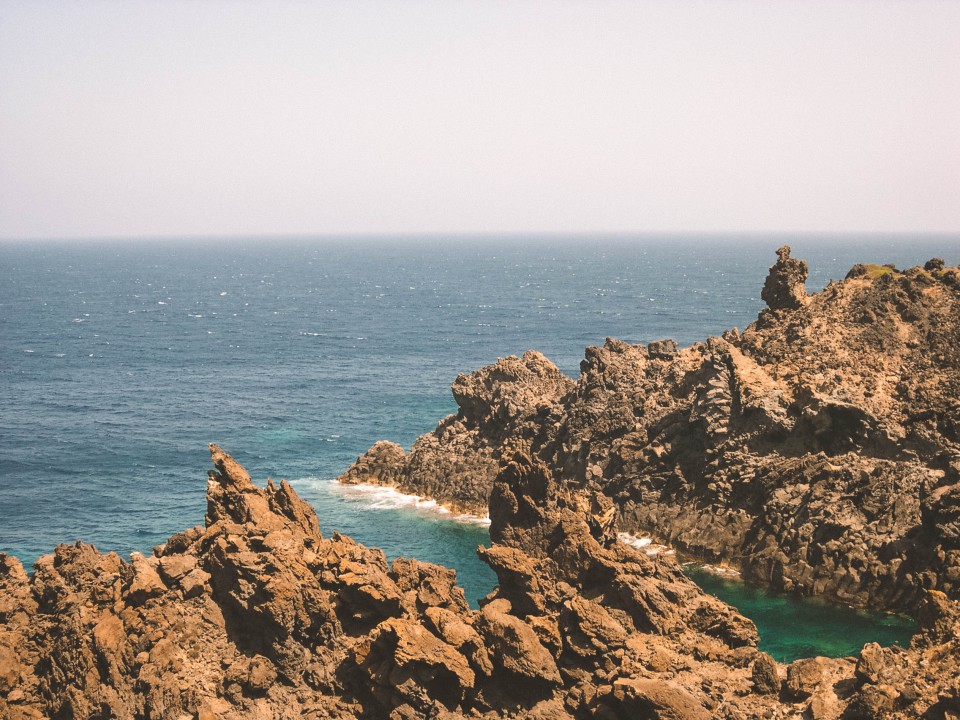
793, 627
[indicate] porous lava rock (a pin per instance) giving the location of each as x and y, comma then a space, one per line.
784, 287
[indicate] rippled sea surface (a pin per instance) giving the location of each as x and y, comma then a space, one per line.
121, 360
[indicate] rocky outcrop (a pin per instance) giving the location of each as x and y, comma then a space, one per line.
503, 405
818, 450
784, 288
256, 614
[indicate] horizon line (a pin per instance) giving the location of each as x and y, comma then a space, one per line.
470, 234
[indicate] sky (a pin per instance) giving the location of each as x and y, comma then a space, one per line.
220, 118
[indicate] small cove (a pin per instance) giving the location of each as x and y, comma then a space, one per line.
790, 626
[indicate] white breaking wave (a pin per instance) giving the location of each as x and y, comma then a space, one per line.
651, 548
721, 570
381, 497
643, 543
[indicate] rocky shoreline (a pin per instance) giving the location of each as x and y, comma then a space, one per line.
257, 614
816, 451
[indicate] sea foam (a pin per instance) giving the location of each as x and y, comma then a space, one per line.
382, 497
643, 543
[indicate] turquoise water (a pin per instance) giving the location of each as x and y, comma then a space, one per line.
793, 627
120, 361
400, 526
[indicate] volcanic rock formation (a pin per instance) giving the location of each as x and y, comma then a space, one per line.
457, 462
817, 451
258, 615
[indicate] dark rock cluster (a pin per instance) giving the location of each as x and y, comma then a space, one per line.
458, 461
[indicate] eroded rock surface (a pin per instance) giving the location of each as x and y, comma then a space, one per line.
817, 451
784, 288
258, 615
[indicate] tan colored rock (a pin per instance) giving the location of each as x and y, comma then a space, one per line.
516, 647
591, 630
451, 628
408, 658
872, 701
9, 669
173, 567
765, 675
432, 585
783, 289
803, 678
880, 665
256, 674
276, 621
146, 582
195, 583
658, 700
369, 590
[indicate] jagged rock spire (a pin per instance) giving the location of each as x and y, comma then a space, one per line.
784, 289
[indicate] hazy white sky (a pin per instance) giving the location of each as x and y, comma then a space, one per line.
202, 117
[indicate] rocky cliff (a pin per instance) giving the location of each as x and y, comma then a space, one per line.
259, 615
818, 450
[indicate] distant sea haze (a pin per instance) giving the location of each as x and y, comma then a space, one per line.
120, 361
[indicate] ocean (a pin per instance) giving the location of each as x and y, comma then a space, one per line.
121, 359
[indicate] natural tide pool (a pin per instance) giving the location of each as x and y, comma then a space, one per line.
790, 626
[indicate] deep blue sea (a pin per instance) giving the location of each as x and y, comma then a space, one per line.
121, 360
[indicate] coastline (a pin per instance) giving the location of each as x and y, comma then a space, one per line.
388, 497
257, 607
384, 496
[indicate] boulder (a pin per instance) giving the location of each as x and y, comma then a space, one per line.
515, 645
803, 678
146, 582
174, 567
656, 699
765, 675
